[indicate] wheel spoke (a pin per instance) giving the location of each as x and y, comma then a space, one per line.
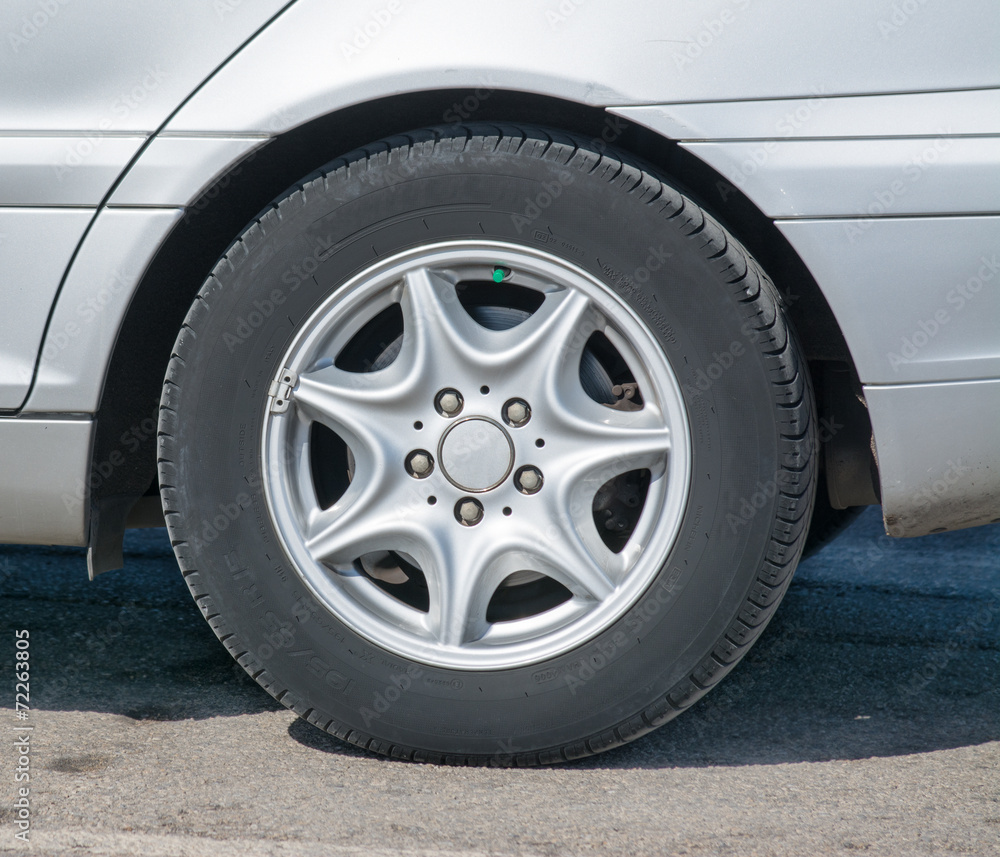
548, 345
551, 544
596, 452
442, 329
367, 518
367, 410
587, 569
558, 330
555, 334
462, 580
437, 331
348, 401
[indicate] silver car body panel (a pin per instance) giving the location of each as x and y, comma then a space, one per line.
82, 87
829, 178
103, 67
918, 299
884, 87
36, 245
45, 469
318, 56
174, 170
824, 117
93, 300
937, 453
56, 170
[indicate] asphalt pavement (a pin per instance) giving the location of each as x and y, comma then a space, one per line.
867, 720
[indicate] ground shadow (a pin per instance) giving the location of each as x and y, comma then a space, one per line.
131, 642
881, 648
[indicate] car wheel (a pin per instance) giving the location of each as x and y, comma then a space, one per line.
486, 445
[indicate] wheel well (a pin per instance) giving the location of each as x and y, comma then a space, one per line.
161, 300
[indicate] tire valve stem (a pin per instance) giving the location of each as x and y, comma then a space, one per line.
500, 273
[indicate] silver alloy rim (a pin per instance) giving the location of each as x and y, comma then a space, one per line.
477, 511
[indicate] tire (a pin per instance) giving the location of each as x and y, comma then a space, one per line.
679, 356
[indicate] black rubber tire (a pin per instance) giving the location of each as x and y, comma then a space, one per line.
720, 323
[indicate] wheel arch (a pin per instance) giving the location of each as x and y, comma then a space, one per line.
134, 374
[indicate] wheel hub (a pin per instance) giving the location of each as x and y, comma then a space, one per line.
476, 454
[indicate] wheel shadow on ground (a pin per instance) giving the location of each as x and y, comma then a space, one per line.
882, 647
802, 696
132, 642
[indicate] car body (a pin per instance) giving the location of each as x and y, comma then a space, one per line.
854, 149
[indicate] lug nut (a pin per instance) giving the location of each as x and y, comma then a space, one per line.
516, 412
529, 480
419, 464
468, 511
449, 402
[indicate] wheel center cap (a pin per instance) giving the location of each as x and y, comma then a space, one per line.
476, 454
